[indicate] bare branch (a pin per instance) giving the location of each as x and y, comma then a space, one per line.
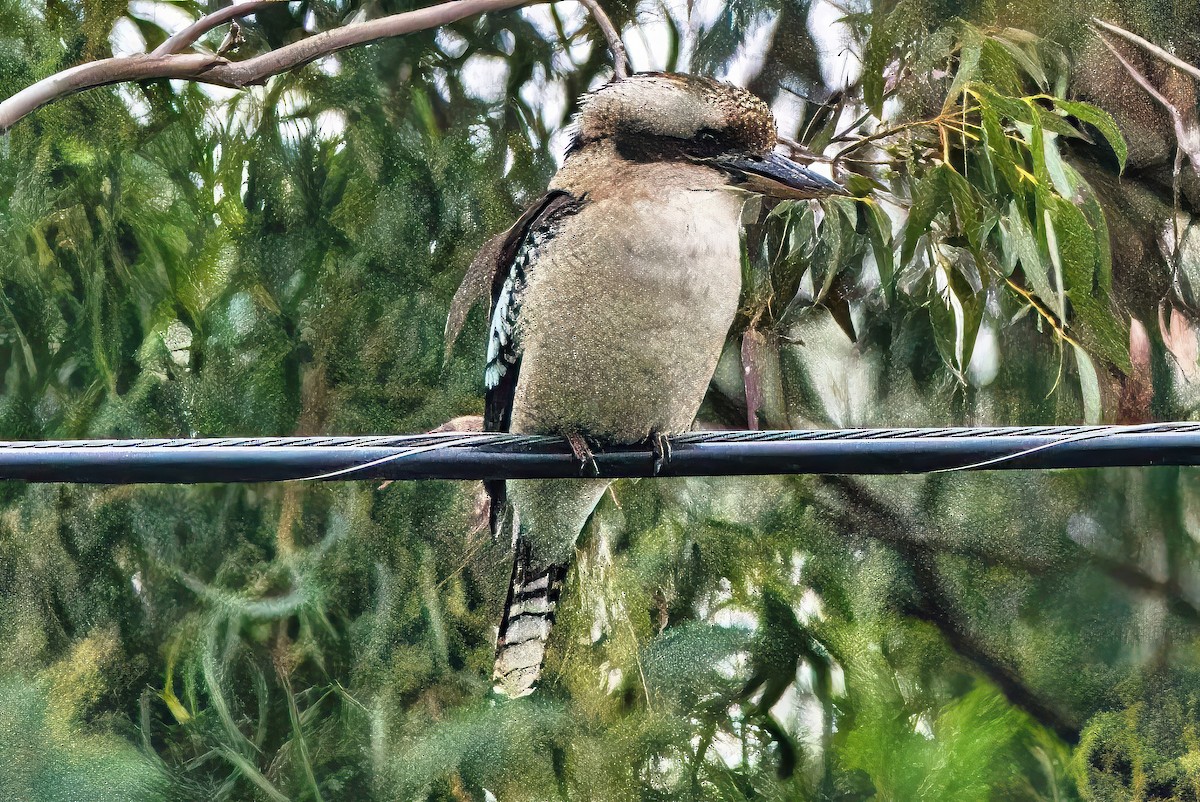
615, 45
860, 510
187, 37
1150, 47
935, 606
191, 66
1187, 133
240, 74
258, 69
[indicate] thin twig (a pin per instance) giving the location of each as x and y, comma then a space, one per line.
187, 37
615, 45
1150, 47
884, 133
211, 69
798, 148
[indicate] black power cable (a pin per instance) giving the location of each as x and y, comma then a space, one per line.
513, 456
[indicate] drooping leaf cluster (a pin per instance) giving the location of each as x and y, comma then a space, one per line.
966, 207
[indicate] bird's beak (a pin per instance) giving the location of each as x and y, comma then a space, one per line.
779, 177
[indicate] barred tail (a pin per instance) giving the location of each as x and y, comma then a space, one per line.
528, 616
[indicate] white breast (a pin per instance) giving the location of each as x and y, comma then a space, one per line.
626, 314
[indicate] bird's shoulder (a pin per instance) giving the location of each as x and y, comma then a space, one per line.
494, 261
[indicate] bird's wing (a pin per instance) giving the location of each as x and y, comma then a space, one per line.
518, 258
491, 264
502, 266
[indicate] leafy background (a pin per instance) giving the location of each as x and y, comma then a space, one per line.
182, 261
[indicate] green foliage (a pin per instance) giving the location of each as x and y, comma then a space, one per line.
959, 754
48, 756
991, 209
282, 261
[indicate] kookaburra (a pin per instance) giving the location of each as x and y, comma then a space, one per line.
611, 301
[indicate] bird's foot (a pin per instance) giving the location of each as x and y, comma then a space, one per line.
660, 447
583, 452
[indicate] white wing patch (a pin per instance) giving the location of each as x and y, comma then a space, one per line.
502, 331
504, 340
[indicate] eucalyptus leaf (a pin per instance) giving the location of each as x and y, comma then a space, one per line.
997, 69
877, 59
1025, 56
1089, 386
1086, 284
1102, 121
1056, 261
966, 205
879, 230
930, 196
998, 151
956, 315
1034, 266
1063, 176
971, 47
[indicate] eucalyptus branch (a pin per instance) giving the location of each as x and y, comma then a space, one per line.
858, 510
187, 37
934, 605
219, 71
615, 45
1149, 47
862, 513
191, 66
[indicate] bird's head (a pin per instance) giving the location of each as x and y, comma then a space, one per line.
666, 116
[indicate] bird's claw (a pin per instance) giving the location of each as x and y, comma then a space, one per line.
660, 446
583, 452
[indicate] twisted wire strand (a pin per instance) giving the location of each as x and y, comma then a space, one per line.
458, 455
698, 437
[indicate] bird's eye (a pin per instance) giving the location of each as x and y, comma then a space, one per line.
706, 143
